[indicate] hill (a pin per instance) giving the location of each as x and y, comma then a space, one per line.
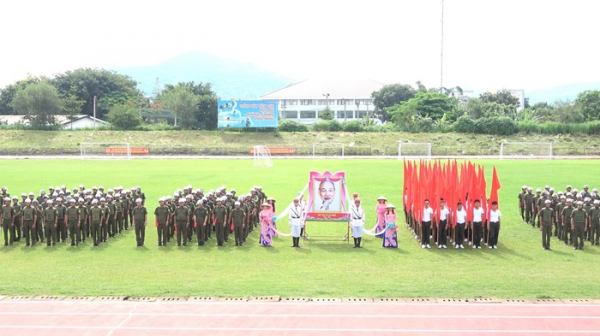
229, 78
563, 92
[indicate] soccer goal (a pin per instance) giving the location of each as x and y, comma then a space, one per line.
331, 149
262, 156
526, 150
105, 150
414, 150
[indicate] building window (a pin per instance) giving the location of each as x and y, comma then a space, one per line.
322, 102
308, 114
340, 114
341, 102
307, 102
290, 102
361, 114
290, 115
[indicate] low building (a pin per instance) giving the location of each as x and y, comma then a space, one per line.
78, 121
303, 101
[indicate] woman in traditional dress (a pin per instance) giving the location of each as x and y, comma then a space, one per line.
266, 220
380, 210
271, 202
390, 237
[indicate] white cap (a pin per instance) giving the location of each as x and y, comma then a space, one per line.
28, 201
23, 195
81, 200
563, 197
199, 202
49, 202
579, 203
162, 199
139, 200
587, 199
538, 190
31, 193
72, 200
95, 201
548, 202
597, 202
529, 188
42, 192
524, 187
569, 200
59, 199
6, 199
102, 199
181, 200
237, 203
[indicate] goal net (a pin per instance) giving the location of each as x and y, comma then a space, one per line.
105, 150
414, 150
525, 150
262, 156
331, 149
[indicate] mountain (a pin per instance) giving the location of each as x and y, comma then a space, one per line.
563, 92
229, 78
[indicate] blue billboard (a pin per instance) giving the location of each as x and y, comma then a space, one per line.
247, 113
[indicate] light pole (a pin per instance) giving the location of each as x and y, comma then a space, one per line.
357, 109
326, 95
442, 52
344, 101
94, 112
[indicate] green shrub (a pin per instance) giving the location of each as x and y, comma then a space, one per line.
496, 126
327, 126
554, 128
423, 125
464, 124
292, 126
353, 126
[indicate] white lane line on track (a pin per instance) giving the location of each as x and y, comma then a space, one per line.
479, 331
131, 314
462, 316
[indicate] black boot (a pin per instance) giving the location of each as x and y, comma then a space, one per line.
355, 242
358, 243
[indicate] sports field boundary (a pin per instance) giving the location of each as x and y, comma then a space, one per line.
293, 157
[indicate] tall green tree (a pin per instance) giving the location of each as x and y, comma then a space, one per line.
71, 106
503, 97
7, 94
39, 102
124, 116
205, 116
184, 103
109, 87
588, 102
390, 95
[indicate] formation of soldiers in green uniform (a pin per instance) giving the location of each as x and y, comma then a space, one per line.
572, 216
61, 214
193, 214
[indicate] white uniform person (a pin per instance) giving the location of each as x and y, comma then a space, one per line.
357, 214
295, 221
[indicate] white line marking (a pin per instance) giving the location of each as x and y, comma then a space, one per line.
525, 331
462, 316
124, 320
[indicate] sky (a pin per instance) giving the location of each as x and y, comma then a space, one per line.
488, 44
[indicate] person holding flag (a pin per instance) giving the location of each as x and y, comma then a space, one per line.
494, 226
426, 218
476, 224
442, 224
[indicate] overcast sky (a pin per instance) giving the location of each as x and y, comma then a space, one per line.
491, 44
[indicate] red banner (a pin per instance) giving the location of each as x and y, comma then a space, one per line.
123, 150
278, 150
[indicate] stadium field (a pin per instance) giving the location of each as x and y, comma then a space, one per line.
519, 268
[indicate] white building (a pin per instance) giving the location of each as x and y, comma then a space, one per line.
348, 99
79, 121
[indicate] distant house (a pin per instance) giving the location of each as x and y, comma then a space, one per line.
349, 99
78, 121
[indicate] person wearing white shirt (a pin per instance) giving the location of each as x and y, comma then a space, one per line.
295, 221
461, 217
426, 225
357, 214
494, 225
477, 224
443, 221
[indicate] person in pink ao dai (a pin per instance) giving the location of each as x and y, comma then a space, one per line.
390, 237
266, 227
380, 210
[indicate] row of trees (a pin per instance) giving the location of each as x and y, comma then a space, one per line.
119, 101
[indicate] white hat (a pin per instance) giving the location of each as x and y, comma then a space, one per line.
31, 194
575, 190
102, 199
266, 205
59, 199
538, 190
6, 199
563, 197
548, 201
237, 203
390, 206
547, 187
530, 188
23, 195
139, 200
162, 199
81, 200
42, 192
181, 200
109, 197
199, 202
49, 202
595, 190
524, 187
596, 201
15, 198
569, 200
587, 199
381, 198
95, 201
579, 203
72, 200
28, 201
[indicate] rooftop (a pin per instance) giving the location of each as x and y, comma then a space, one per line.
337, 88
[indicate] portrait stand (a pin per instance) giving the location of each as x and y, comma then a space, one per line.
327, 202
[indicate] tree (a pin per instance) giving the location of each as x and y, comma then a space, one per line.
425, 109
326, 114
184, 103
390, 95
39, 103
124, 116
567, 112
71, 106
588, 102
8, 94
503, 97
206, 116
109, 87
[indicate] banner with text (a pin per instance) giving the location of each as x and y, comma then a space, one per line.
247, 113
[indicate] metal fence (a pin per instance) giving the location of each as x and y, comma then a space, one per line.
300, 151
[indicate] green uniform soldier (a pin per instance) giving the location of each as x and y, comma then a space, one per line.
96, 220
39, 223
7, 215
105, 223
5, 193
237, 216
140, 220
579, 225
521, 198
141, 195
72, 219
50, 223
126, 205
200, 219
182, 216
566, 222
546, 218
587, 207
28, 220
161, 215
558, 218
190, 205
529, 205
118, 214
539, 205
110, 216
83, 221
220, 214
16, 227
61, 230
595, 222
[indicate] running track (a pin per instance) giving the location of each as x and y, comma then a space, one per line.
123, 318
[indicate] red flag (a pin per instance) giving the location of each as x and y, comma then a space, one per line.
495, 187
195, 224
156, 222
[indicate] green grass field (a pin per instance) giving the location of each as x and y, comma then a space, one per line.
520, 268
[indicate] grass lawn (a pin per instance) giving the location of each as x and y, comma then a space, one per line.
520, 268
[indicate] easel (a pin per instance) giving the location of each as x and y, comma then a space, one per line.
346, 237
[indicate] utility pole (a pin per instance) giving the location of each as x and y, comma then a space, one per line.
442, 52
94, 112
344, 101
